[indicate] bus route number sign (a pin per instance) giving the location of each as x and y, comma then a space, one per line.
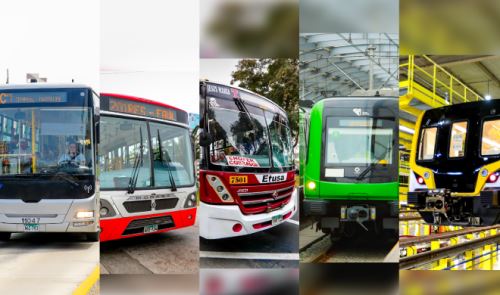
141, 109
238, 179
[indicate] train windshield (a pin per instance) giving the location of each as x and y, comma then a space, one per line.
247, 136
358, 141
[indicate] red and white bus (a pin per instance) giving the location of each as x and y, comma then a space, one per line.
247, 172
146, 162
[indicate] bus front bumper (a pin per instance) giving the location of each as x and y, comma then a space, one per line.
48, 216
128, 227
225, 221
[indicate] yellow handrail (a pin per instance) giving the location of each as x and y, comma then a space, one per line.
437, 81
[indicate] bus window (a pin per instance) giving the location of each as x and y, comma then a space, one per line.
120, 148
427, 143
173, 154
490, 143
457, 139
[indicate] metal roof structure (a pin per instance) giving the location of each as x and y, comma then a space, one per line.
339, 64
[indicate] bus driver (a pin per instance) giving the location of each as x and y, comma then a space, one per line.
73, 156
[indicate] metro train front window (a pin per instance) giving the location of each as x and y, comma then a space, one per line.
427, 143
358, 141
458, 139
490, 139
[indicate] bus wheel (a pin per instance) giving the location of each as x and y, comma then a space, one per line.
93, 237
4, 236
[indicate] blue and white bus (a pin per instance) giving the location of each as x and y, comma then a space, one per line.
48, 150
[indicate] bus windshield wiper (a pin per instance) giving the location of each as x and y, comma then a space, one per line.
168, 161
132, 183
67, 178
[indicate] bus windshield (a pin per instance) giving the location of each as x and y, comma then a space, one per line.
46, 140
120, 147
248, 136
358, 141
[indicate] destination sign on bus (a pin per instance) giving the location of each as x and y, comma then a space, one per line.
32, 97
138, 108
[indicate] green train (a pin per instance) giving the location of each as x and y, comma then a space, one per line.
350, 165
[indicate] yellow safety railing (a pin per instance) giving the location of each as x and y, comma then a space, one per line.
434, 85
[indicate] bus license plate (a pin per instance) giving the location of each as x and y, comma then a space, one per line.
277, 219
150, 228
31, 227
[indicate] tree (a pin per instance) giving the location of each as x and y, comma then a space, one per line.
276, 79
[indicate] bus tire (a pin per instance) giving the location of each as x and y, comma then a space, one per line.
93, 237
4, 236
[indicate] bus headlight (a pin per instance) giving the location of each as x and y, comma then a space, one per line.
219, 187
190, 200
104, 211
311, 185
85, 214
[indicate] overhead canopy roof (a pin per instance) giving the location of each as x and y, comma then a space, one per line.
339, 64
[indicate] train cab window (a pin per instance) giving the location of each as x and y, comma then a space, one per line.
490, 139
427, 143
458, 139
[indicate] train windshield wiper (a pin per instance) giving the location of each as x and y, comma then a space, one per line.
168, 161
138, 163
372, 164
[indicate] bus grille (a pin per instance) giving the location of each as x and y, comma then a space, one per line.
137, 226
266, 201
146, 206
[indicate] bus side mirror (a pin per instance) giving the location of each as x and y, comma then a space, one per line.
205, 139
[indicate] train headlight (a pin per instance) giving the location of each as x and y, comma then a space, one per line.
484, 173
85, 214
493, 177
311, 185
426, 175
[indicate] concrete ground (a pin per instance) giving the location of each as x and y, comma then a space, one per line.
173, 252
46, 264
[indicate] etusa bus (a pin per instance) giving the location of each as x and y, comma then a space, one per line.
247, 172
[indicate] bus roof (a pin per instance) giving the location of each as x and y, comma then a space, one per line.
41, 86
246, 90
140, 99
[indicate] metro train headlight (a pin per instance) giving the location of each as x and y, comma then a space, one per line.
493, 177
311, 185
84, 214
421, 180
219, 187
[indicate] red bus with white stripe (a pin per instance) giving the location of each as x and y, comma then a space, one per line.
146, 163
247, 172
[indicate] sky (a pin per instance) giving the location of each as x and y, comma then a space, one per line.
150, 49
59, 39
217, 70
